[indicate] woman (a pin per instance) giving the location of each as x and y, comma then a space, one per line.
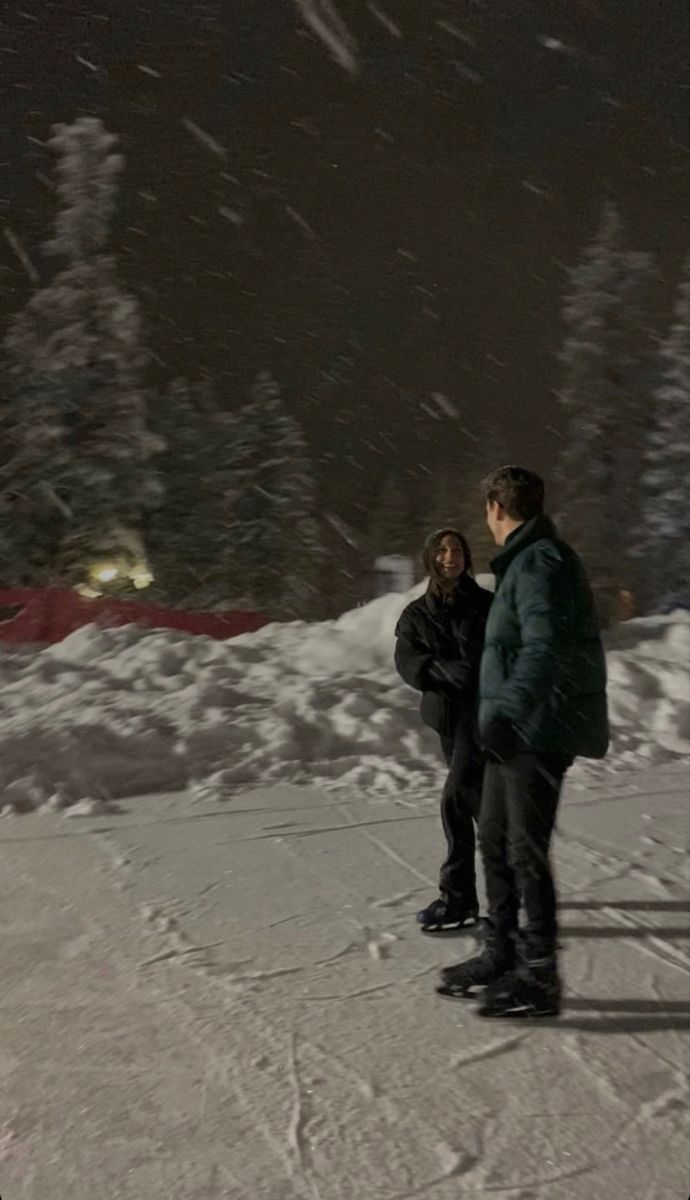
439, 643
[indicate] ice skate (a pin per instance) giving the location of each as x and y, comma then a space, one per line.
532, 990
479, 972
445, 913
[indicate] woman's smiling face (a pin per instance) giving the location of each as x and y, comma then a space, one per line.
450, 557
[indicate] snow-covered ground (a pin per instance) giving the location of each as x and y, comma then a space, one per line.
232, 1001
112, 713
217, 989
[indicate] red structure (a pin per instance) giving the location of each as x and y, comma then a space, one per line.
47, 615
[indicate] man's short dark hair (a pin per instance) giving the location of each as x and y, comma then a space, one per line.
519, 492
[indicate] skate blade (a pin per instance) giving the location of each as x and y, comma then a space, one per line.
454, 993
519, 1013
455, 927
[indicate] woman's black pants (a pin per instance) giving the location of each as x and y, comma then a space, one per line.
460, 802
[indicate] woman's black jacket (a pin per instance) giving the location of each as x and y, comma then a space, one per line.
438, 647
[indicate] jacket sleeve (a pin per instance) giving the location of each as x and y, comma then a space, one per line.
542, 602
412, 658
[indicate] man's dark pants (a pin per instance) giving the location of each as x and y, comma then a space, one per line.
518, 812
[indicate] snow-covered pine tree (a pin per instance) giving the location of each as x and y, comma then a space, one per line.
33, 459
272, 531
346, 578
84, 330
391, 530
603, 343
665, 533
190, 549
178, 531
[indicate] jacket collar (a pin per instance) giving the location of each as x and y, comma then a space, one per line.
522, 537
466, 588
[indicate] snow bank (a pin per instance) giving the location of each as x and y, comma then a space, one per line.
121, 712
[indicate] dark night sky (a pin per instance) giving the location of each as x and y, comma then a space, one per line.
403, 231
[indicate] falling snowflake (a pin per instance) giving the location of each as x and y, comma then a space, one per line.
85, 63
385, 20
552, 43
204, 138
299, 220
231, 215
446, 405
322, 17
456, 33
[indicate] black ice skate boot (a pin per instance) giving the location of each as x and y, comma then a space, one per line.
495, 961
532, 990
447, 913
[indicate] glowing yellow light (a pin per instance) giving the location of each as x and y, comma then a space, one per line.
142, 579
106, 574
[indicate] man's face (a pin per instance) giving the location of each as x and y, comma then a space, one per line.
494, 515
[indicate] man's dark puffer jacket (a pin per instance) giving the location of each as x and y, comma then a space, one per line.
437, 652
543, 671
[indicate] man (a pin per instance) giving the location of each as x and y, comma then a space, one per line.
542, 702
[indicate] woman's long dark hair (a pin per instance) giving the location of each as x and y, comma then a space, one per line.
438, 584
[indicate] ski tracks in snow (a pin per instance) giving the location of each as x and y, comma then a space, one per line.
297, 1139
328, 1105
